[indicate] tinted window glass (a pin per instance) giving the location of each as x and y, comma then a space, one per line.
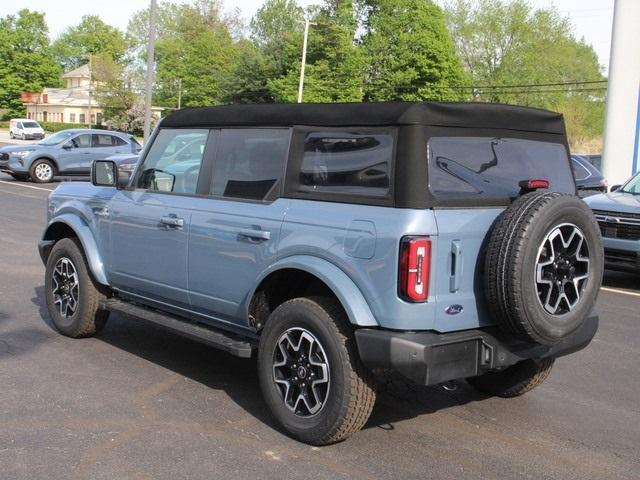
172, 165
250, 162
102, 140
579, 170
348, 163
30, 125
493, 167
82, 141
119, 141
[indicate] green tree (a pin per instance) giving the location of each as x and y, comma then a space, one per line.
113, 90
336, 65
515, 54
197, 48
272, 50
412, 56
26, 62
91, 36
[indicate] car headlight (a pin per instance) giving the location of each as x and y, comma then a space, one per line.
22, 153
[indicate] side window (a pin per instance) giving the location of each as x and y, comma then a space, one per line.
580, 172
118, 142
82, 141
168, 167
20, 125
103, 140
250, 162
347, 163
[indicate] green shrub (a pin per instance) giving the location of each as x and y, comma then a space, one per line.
4, 124
57, 126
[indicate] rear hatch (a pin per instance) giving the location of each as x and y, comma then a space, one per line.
473, 179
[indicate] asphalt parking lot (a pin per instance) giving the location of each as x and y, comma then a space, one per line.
136, 402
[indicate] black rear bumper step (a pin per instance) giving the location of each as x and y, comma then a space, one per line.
429, 358
228, 342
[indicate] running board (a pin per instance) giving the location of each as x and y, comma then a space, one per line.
216, 338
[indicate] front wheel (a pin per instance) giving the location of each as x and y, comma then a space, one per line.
71, 293
310, 373
42, 171
515, 380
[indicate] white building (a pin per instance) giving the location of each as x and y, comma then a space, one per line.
73, 104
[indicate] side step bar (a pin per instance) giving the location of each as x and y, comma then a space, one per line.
216, 338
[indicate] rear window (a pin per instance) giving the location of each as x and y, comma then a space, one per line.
347, 163
484, 167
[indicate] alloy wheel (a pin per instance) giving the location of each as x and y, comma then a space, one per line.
562, 269
66, 287
301, 372
43, 172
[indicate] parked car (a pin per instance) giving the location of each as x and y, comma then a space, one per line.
618, 214
68, 152
25, 129
594, 159
589, 180
435, 241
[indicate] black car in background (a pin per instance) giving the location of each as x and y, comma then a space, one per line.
589, 180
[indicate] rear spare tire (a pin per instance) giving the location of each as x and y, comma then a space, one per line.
543, 267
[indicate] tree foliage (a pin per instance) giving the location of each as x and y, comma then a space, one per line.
515, 54
411, 54
91, 36
196, 49
26, 62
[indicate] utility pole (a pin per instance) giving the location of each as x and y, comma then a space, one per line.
179, 93
304, 58
150, 69
90, 81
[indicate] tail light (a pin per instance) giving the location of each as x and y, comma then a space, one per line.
527, 186
415, 265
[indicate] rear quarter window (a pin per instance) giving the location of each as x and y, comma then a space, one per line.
485, 167
348, 163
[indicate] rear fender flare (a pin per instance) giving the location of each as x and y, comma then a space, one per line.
347, 292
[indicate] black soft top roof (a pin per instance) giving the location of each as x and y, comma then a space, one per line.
465, 115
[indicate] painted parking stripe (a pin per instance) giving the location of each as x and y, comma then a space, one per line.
624, 292
13, 184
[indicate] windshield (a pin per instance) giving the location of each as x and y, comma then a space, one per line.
632, 186
57, 138
30, 125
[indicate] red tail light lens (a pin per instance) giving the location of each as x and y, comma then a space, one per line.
415, 265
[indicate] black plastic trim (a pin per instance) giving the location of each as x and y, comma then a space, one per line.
429, 357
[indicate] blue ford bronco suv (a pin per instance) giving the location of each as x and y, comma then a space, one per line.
434, 241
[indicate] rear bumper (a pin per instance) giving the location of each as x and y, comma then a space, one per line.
428, 358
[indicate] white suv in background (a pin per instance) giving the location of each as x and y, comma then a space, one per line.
25, 129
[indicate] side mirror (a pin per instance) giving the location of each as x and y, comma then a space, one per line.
104, 173
615, 188
67, 146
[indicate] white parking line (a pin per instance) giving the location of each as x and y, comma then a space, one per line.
13, 184
624, 292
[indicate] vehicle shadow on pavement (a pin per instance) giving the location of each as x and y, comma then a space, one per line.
623, 280
397, 399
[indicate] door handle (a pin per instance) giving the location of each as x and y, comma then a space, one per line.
101, 212
172, 221
456, 266
256, 234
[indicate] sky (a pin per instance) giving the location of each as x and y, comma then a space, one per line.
592, 19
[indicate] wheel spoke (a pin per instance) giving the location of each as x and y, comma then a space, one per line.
301, 372
65, 287
562, 269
